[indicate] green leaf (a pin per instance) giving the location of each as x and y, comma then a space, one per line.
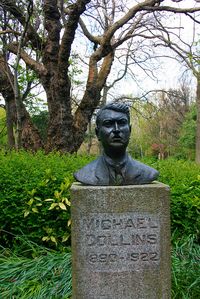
37, 198
65, 238
68, 203
26, 213
57, 194
30, 202
53, 239
32, 192
62, 206
53, 205
45, 238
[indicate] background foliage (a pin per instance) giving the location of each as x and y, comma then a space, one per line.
35, 257
183, 177
35, 199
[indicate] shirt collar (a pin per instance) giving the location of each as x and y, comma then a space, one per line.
120, 165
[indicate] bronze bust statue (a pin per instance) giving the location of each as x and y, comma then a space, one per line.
115, 166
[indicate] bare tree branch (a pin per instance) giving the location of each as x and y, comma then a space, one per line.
92, 38
10, 31
171, 9
10, 5
34, 65
70, 28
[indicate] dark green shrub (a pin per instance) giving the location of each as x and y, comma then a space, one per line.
183, 177
34, 188
34, 197
33, 192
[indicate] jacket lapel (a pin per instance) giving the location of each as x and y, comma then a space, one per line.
101, 172
133, 173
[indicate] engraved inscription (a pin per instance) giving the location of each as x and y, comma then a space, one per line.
94, 223
120, 242
131, 257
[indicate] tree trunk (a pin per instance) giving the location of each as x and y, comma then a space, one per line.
18, 103
91, 98
89, 144
60, 133
197, 154
66, 132
10, 112
30, 138
105, 95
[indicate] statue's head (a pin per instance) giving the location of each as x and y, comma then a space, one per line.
113, 127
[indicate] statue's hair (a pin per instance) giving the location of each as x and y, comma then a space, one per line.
119, 107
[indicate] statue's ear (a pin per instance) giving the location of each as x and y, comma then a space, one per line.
97, 132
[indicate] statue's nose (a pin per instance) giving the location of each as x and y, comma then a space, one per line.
116, 127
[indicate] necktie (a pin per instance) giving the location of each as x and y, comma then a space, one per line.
118, 175
116, 170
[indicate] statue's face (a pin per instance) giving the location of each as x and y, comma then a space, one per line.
113, 130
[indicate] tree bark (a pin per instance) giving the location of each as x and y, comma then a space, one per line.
30, 137
8, 95
92, 96
56, 82
10, 117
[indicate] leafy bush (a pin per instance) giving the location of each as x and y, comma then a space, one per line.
35, 201
188, 134
183, 177
34, 197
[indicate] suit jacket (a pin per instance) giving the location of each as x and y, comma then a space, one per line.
97, 173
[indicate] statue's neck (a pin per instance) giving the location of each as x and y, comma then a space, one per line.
116, 157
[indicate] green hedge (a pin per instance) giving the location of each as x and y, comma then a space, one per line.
34, 196
183, 177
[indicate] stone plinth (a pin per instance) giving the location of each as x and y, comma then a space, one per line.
120, 242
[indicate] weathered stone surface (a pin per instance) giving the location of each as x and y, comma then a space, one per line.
120, 242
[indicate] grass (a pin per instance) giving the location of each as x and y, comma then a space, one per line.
186, 269
48, 274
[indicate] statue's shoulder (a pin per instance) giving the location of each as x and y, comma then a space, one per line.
143, 172
86, 175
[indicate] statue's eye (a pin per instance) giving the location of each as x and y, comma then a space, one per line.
107, 123
123, 121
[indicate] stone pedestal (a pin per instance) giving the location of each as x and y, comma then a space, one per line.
120, 242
